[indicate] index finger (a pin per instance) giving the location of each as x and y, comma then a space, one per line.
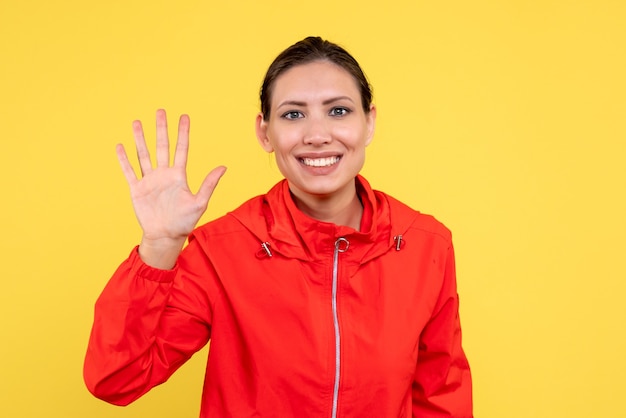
182, 143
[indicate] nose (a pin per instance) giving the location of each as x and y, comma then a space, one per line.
317, 132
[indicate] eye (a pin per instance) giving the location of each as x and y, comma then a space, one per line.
292, 114
339, 111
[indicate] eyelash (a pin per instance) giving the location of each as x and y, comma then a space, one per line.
344, 111
288, 115
294, 114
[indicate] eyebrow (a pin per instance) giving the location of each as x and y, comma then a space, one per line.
325, 102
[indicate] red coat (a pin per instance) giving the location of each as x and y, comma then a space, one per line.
305, 318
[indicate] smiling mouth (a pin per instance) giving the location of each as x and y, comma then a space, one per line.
320, 162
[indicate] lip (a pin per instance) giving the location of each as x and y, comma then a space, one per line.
323, 169
316, 155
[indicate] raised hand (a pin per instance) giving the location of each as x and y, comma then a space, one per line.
166, 208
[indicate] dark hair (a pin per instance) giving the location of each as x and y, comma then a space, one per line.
308, 50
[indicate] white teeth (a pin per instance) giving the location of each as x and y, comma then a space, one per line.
320, 162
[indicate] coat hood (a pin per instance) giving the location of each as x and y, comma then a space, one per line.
282, 228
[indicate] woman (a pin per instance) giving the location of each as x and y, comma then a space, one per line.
322, 298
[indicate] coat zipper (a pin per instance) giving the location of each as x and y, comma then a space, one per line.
341, 245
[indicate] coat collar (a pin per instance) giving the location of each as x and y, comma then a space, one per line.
275, 220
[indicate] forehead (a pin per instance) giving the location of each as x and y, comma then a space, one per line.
317, 79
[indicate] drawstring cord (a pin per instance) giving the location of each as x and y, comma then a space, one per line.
264, 251
399, 242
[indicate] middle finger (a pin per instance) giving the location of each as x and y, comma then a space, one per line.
162, 140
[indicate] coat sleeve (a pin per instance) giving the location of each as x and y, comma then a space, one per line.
442, 386
147, 323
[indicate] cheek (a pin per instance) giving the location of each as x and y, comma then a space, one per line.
283, 137
352, 136
282, 147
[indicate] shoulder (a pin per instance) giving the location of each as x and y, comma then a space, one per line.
413, 220
231, 223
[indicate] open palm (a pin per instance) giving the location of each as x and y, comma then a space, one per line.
166, 208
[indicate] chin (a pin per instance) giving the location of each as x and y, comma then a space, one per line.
323, 188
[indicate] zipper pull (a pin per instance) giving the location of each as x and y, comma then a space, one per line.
341, 245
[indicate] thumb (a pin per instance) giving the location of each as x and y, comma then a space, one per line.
209, 184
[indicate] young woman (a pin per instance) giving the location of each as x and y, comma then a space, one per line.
321, 298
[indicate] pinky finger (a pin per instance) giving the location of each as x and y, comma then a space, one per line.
127, 169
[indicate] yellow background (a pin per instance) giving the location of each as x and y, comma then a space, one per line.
505, 119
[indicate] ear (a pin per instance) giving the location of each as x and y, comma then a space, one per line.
261, 133
371, 124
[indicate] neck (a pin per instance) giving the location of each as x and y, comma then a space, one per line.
340, 210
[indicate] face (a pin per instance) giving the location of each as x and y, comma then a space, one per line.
318, 130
